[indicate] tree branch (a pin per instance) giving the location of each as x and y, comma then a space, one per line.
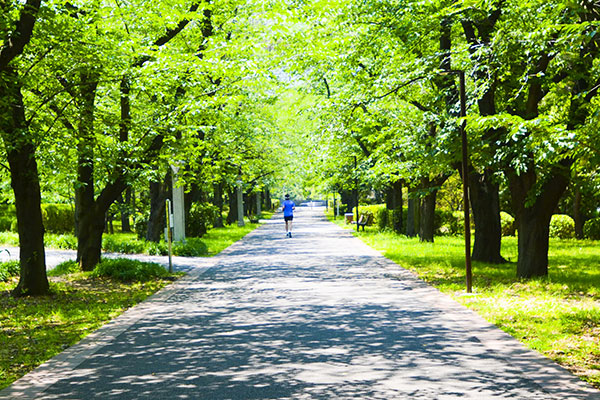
16, 42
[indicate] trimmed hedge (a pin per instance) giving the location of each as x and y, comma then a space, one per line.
562, 226
591, 229
57, 218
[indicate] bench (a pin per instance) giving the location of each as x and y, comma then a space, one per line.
364, 220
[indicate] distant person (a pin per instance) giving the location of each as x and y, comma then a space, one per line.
288, 208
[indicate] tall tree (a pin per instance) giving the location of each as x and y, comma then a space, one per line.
20, 146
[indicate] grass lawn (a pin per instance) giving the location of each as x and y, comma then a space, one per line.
34, 329
559, 316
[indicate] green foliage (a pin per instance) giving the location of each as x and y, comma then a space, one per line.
9, 238
193, 247
200, 217
123, 243
562, 227
7, 223
64, 268
591, 229
58, 218
157, 249
126, 270
8, 218
9, 269
383, 219
141, 228
507, 223
449, 222
61, 241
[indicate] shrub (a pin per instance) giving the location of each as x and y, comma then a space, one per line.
448, 222
125, 270
6, 223
200, 216
58, 218
591, 229
141, 228
158, 249
123, 244
64, 268
562, 226
507, 222
8, 269
65, 241
383, 219
193, 247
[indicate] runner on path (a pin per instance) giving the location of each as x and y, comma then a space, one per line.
288, 208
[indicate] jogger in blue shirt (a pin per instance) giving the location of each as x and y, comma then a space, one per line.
288, 208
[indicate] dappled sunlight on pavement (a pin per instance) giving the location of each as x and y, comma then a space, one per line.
311, 317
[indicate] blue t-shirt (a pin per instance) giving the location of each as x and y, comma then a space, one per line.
288, 206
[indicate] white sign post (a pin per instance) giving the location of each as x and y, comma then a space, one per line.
178, 208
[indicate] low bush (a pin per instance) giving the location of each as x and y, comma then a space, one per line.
591, 229
158, 249
65, 241
507, 222
58, 218
193, 247
125, 270
562, 227
141, 228
6, 223
200, 216
9, 269
123, 244
64, 268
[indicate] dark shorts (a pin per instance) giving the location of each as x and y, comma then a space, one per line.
288, 218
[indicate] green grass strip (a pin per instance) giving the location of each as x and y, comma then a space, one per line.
559, 316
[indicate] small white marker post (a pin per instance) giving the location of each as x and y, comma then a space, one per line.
169, 233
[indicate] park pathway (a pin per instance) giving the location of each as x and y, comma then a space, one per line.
318, 316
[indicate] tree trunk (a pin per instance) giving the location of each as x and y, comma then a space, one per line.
533, 220
88, 218
125, 214
20, 148
348, 199
268, 203
397, 205
218, 202
427, 225
89, 238
159, 192
485, 203
232, 198
411, 230
577, 215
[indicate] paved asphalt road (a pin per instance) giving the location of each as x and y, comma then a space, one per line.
318, 316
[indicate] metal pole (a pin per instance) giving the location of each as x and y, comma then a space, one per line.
169, 234
465, 171
356, 191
